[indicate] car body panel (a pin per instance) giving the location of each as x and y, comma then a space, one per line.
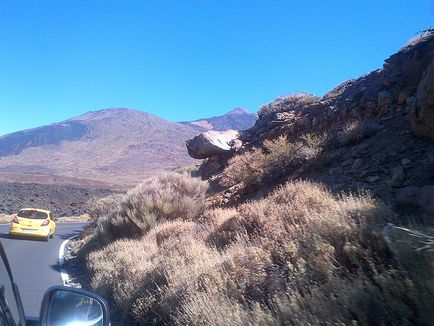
32, 227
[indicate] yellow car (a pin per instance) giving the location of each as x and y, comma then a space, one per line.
33, 222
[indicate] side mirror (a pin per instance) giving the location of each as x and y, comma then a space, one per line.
70, 306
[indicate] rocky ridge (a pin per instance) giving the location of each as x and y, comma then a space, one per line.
391, 109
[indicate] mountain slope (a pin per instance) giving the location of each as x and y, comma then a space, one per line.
374, 133
105, 147
237, 119
117, 146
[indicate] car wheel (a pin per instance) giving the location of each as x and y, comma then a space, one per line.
51, 235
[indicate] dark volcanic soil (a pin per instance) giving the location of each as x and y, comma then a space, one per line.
61, 200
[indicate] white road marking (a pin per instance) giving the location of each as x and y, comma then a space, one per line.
63, 274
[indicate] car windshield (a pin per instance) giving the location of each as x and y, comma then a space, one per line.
32, 214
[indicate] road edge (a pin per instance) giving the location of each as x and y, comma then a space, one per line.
63, 274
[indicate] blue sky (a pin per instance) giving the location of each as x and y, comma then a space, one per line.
183, 60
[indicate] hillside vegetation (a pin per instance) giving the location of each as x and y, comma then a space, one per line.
321, 215
299, 256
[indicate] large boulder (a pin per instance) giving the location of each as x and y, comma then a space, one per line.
212, 143
423, 120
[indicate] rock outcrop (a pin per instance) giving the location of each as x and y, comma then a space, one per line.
403, 89
212, 143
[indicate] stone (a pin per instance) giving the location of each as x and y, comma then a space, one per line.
371, 105
370, 129
211, 167
386, 118
422, 122
402, 98
276, 123
410, 101
235, 144
356, 112
363, 174
385, 83
304, 122
369, 101
392, 153
284, 116
336, 171
356, 164
405, 161
398, 176
373, 178
260, 130
211, 143
384, 99
347, 163
407, 196
419, 197
363, 147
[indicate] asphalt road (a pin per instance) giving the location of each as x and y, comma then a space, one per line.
34, 263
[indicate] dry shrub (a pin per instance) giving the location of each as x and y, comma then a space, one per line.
298, 257
419, 37
275, 158
166, 197
5, 218
202, 309
109, 205
156, 271
292, 102
349, 134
